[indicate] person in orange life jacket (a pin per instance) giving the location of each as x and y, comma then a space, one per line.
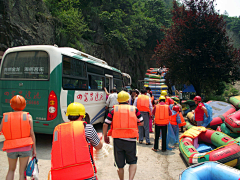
144, 105
162, 114
124, 120
72, 147
18, 143
174, 121
199, 111
165, 94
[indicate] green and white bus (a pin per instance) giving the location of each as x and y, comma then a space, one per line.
50, 78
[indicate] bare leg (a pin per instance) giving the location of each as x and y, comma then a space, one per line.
22, 166
132, 171
11, 169
120, 173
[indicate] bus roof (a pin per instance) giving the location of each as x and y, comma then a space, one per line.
65, 51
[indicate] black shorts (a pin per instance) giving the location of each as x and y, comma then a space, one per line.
124, 152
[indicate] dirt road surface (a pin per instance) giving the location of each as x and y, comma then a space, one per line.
151, 165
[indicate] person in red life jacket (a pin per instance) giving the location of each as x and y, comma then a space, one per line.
144, 105
20, 140
124, 120
199, 111
175, 120
162, 114
72, 147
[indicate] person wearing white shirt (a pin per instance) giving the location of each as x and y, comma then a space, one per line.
112, 99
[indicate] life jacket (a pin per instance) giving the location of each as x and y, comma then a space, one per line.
199, 113
71, 158
16, 130
124, 123
193, 132
162, 114
143, 103
173, 119
183, 123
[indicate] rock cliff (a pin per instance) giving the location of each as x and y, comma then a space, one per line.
25, 22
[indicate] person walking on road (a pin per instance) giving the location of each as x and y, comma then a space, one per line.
72, 147
111, 101
17, 128
180, 96
144, 105
175, 120
124, 120
199, 111
162, 114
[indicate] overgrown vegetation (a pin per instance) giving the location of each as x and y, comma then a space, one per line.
126, 25
196, 48
224, 92
131, 26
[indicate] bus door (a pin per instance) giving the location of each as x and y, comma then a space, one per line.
109, 82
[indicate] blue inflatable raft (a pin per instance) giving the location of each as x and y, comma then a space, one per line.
210, 171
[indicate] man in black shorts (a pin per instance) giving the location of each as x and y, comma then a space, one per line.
124, 120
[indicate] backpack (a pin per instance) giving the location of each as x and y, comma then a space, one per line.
32, 165
207, 120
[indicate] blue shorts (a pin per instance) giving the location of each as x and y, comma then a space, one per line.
22, 154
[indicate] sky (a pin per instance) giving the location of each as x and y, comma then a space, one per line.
231, 6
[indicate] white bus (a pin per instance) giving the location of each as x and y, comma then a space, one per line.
50, 78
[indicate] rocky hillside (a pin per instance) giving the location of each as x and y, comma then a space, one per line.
22, 23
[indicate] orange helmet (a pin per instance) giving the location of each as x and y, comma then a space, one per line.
18, 103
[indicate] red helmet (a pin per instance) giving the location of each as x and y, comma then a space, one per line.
171, 101
176, 108
197, 98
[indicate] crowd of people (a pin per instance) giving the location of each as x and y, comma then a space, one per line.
129, 115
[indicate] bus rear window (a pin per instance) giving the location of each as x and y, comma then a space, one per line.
26, 65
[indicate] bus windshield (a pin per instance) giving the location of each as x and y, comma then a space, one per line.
26, 65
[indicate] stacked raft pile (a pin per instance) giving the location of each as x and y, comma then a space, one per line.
155, 81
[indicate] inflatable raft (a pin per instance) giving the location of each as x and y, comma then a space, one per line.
152, 71
162, 87
154, 80
210, 171
185, 108
220, 111
235, 100
233, 121
227, 149
148, 75
153, 83
223, 128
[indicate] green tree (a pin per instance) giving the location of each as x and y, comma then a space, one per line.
70, 23
196, 48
